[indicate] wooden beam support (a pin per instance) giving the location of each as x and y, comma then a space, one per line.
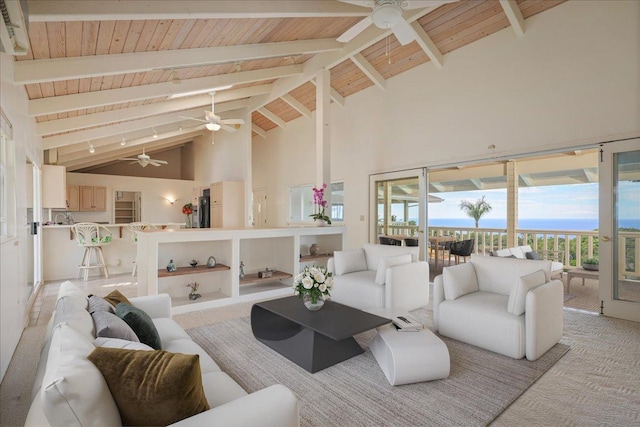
514, 14
259, 131
273, 117
335, 96
79, 101
368, 69
73, 10
323, 135
115, 116
429, 47
296, 105
79, 67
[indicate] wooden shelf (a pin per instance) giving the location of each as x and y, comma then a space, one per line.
253, 278
319, 257
198, 269
208, 296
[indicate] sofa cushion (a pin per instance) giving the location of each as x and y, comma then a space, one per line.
152, 388
187, 346
533, 255
220, 388
120, 343
74, 392
358, 290
502, 253
97, 303
169, 330
115, 297
141, 324
518, 294
71, 311
69, 289
459, 280
349, 261
499, 274
390, 261
517, 252
374, 253
111, 326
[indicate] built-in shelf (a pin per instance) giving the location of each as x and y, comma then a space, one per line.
198, 269
253, 278
208, 296
319, 257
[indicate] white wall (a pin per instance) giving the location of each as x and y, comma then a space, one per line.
574, 78
14, 291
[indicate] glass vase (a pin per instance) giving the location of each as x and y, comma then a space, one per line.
313, 306
187, 221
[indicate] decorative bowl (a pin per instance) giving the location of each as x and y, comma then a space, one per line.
193, 263
591, 267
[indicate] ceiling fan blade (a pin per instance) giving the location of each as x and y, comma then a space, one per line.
228, 128
418, 4
159, 162
153, 163
363, 3
403, 32
352, 32
192, 118
231, 122
128, 158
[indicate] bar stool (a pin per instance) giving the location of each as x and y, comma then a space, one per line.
92, 237
135, 228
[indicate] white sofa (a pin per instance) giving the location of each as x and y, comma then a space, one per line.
504, 305
380, 276
71, 391
525, 252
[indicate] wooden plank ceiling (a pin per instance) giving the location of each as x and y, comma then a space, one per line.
106, 108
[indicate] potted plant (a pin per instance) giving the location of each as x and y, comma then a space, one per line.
320, 218
590, 264
312, 285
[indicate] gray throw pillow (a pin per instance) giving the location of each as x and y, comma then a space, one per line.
111, 326
97, 303
141, 323
529, 255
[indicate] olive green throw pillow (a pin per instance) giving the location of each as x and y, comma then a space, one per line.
141, 324
115, 298
152, 388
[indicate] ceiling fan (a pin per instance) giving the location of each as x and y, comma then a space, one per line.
214, 122
144, 160
387, 15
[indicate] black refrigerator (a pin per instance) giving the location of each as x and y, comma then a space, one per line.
204, 212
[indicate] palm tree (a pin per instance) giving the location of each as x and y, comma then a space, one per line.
475, 210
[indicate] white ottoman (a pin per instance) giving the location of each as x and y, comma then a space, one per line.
410, 357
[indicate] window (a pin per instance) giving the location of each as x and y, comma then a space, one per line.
7, 183
301, 203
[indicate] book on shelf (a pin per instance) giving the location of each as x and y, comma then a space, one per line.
406, 323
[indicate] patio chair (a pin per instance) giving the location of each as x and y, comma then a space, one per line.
411, 242
462, 249
384, 240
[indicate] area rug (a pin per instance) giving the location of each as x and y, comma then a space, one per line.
355, 392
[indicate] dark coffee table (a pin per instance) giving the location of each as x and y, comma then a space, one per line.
313, 340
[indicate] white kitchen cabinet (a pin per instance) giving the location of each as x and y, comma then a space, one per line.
227, 204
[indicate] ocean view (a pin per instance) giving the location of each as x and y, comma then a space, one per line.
582, 224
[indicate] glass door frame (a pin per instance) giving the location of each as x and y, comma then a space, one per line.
610, 305
421, 175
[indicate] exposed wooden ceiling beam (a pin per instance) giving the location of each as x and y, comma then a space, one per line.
133, 146
369, 71
296, 105
129, 125
527, 179
273, 117
137, 93
335, 96
362, 41
114, 116
427, 45
73, 10
590, 175
514, 14
58, 69
259, 131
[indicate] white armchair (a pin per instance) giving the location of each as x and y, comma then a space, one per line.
509, 306
380, 276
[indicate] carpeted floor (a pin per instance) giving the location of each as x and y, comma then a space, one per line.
355, 392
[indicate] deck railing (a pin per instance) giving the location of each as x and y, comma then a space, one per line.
575, 245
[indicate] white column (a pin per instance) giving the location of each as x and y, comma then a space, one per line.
512, 203
323, 133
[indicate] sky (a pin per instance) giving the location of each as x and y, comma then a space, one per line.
575, 201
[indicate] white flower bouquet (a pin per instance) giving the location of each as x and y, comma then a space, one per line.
313, 281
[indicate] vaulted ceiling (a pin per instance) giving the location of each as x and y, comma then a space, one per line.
101, 73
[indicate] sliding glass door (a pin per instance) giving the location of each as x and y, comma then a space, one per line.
620, 230
398, 206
